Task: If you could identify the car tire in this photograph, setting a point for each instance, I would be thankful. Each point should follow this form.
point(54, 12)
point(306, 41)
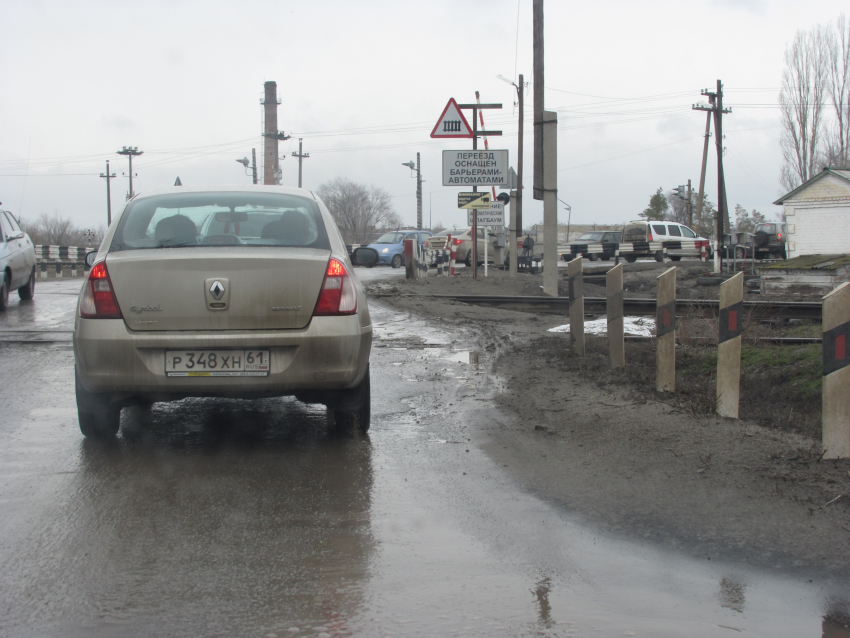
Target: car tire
point(630, 258)
point(396, 261)
point(592, 257)
point(760, 238)
point(468, 259)
point(355, 419)
point(4, 292)
point(783, 254)
point(659, 256)
point(98, 417)
point(26, 292)
point(676, 258)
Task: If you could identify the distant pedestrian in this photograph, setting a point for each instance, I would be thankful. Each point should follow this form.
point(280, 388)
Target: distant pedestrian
point(527, 246)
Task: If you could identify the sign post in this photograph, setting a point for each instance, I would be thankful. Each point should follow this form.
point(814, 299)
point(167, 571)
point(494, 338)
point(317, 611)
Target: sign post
point(452, 124)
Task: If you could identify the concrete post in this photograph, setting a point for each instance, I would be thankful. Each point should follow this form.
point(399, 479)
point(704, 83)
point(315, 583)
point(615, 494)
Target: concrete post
point(514, 253)
point(574, 270)
point(550, 206)
point(665, 331)
point(614, 314)
point(836, 373)
point(729, 346)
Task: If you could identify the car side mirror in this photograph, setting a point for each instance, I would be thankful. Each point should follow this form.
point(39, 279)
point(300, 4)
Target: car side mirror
point(364, 256)
point(18, 235)
point(90, 257)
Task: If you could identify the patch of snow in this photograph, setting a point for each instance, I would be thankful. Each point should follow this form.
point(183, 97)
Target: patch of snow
point(636, 326)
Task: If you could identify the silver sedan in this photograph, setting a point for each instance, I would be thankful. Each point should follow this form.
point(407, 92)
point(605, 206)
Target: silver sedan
point(17, 260)
point(241, 292)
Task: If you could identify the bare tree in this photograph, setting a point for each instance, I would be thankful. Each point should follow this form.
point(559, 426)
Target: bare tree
point(55, 229)
point(804, 84)
point(837, 143)
point(357, 209)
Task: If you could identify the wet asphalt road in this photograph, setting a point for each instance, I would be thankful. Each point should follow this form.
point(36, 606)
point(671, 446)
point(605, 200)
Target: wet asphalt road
point(244, 518)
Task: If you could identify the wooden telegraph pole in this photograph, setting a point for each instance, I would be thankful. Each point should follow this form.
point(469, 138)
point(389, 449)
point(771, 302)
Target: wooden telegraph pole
point(108, 176)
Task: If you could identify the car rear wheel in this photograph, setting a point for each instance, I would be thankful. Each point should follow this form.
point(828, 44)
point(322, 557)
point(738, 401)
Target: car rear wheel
point(630, 258)
point(468, 259)
point(4, 293)
point(98, 417)
point(659, 256)
point(396, 262)
point(354, 415)
point(592, 257)
point(26, 292)
point(676, 257)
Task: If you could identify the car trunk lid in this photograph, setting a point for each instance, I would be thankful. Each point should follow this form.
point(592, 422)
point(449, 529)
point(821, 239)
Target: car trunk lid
point(259, 288)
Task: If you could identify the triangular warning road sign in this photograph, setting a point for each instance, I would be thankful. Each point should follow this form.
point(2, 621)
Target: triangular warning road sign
point(452, 123)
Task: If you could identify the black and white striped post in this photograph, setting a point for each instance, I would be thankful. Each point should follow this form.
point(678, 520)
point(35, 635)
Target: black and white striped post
point(729, 346)
point(665, 331)
point(614, 316)
point(574, 276)
point(836, 373)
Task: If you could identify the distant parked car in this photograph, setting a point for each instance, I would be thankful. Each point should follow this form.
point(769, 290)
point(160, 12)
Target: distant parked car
point(390, 246)
point(769, 240)
point(17, 260)
point(641, 231)
point(462, 240)
point(608, 239)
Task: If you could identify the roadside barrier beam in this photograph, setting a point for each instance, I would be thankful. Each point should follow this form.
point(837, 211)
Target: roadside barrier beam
point(729, 346)
point(665, 331)
point(836, 373)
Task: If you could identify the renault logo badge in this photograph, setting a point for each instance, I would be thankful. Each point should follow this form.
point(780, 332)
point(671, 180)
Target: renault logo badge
point(217, 290)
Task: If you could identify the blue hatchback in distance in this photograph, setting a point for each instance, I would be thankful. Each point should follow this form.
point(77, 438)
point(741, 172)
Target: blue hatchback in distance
point(390, 246)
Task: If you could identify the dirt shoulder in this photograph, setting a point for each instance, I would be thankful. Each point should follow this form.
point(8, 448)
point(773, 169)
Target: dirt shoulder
point(639, 463)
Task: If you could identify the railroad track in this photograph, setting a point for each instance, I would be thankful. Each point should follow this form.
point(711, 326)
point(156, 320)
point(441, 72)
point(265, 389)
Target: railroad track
point(631, 305)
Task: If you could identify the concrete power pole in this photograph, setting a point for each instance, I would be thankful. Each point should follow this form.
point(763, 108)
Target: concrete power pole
point(701, 195)
point(300, 156)
point(108, 176)
point(130, 152)
point(537, 30)
point(418, 193)
point(254, 164)
point(271, 159)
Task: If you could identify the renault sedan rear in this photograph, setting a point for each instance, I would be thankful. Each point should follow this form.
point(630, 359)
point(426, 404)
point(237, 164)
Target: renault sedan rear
point(232, 292)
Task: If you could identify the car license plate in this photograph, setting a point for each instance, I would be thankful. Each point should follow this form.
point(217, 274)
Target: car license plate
point(217, 363)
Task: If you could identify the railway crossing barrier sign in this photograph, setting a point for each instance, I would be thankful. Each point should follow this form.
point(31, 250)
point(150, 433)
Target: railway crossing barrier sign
point(475, 168)
point(492, 216)
point(473, 200)
point(452, 123)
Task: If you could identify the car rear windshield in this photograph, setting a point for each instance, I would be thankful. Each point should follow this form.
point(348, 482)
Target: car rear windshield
point(454, 232)
point(770, 229)
point(221, 219)
point(591, 237)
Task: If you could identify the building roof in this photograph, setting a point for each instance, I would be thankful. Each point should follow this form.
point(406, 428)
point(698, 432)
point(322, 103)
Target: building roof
point(842, 173)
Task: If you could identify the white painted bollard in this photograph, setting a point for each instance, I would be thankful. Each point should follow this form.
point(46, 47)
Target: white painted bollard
point(453, 257)
point(574, 276)
point(729, 346)
point(836, 373)
point(665, 331)
point(614, 316)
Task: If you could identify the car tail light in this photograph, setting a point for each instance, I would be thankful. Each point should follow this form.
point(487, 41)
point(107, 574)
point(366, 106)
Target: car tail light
point(649, 234)
point(338, 296)
point(457, 242)
point(778, 235)
point(98, 300)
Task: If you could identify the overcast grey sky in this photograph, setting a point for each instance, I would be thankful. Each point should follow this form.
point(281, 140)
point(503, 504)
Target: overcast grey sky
point(364, 82)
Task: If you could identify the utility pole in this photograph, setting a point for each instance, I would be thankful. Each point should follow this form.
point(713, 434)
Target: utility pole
point(271, 161)
point(300, 157)
point(690, 208)
point(519, 165)
point(254, 164)
point(418, 193)
point(701, 195)
point(108, 176)
point(130, 152)
point(537, 31)
point(722, 220)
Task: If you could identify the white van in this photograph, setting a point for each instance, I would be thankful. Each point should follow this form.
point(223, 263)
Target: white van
point(650, 238)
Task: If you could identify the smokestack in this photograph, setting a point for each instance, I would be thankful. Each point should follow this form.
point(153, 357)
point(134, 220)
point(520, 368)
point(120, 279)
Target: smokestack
point(271, 162)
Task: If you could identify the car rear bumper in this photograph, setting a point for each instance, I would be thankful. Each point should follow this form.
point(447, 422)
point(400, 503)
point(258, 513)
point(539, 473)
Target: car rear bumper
point(331, 353)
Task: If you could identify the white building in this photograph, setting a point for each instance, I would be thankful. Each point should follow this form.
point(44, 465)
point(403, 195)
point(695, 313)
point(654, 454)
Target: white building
point(817, 215)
